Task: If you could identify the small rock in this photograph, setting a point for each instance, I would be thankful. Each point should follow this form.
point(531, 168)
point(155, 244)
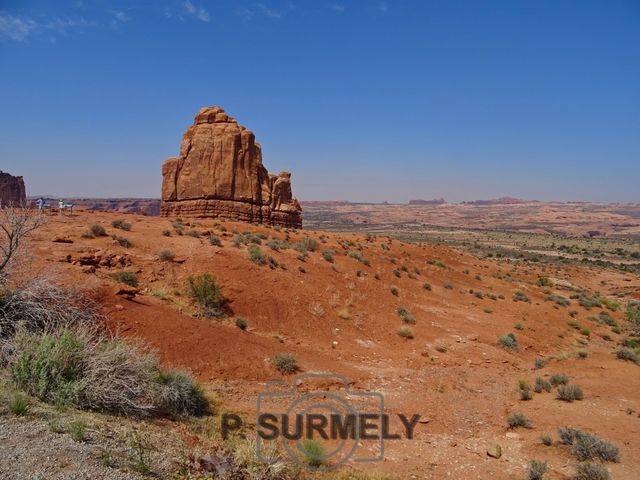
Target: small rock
point(513, 435)
point(119, 307)
point(62, 240)
point(494, 450)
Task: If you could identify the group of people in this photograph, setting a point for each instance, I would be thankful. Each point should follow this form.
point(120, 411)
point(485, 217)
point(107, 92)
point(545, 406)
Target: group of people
point(62, 206)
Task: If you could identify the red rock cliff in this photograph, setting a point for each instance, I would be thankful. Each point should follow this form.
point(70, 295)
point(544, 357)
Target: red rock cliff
point(219, 173)
point(12, 191)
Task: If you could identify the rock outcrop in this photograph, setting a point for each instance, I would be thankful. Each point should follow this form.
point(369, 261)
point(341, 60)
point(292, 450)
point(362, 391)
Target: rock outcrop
point(219, 173)
point(12, 191)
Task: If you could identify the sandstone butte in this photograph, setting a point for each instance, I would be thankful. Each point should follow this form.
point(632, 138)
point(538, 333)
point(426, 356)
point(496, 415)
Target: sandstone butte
point(219, 173)
point(12, 191)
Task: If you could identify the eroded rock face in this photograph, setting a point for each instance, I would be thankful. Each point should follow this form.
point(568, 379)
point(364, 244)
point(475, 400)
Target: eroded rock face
point(12, 191)
point(219, 173)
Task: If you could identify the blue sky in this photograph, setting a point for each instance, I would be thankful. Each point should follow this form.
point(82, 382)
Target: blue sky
point(361, 100)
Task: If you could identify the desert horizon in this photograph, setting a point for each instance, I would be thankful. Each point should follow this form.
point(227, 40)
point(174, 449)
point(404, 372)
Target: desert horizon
point(285, 240)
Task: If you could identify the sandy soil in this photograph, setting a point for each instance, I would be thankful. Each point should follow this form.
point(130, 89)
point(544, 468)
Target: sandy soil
point(342, 318)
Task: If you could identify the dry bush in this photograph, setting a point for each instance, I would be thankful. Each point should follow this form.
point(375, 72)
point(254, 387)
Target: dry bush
point(16, 224)
point(41, 306)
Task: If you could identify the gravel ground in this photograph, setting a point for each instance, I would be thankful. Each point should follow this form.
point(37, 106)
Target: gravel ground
point(29, 450)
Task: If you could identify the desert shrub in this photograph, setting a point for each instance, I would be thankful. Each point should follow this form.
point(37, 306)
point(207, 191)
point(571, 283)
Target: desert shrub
point(42, 305)
point(178, 393)
point(314, 452)
point(128, 278)
point(121, 224)
point(97, 230)
point(310, 244)
point(591, 471)
point(122, 241)
point(518, 326)
point(521, 297)
point(397, 272)
point(628, 355)
point(166, 255)
point(569, 393)
point(77, 429)
point(256, 255)
point(82, 368)
point(544, 282)
point(632, 315)
point(517, 420)
point(588, 302)
point(586, 446)
point(206, 293)
point(405, 332)
point(478, 294)
point(395, 292)
point(242, 323)
point(582, 354)
point(166, 233)
point(285, 363)
point(542, 385)
point(546, 440)
point(539, 363)
point(356, 255)
point(406, 316)
point(536, 470)
point(18, 404)
point(509, 341)
point(525, 394)
point(585, 331)
point(426, 286)
point(448, 285)
point(558, 300)
point(328, 256)
point(559, 379)
point(215, 240)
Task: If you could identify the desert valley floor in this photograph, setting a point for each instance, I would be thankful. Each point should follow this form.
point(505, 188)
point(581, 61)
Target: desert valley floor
point(341, 311)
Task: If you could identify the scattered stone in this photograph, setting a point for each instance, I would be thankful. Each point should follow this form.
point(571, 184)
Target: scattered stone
point(494, 450)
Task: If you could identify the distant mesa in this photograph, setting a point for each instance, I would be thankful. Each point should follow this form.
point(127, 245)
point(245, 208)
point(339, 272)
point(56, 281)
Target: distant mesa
point(435, 201)
point(219, 173)
point(12, 191)
point(499, 201)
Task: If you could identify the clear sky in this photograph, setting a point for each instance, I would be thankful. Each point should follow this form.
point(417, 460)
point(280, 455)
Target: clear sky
point(361, 100)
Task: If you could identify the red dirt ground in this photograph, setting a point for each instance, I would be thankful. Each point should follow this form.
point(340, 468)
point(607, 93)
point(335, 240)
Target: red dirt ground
point(466, 392)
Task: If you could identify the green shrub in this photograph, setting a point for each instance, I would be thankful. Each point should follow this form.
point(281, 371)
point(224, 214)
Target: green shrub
point(241, 323)
point(395, 292)
point(128, 278)
point(193, 233)
point(509, 341)
point(559, 379)
point(122, 241)
point(406, 316)
point(215, 240)
point(525, 394)
point(632, 315)
point(121, 224)
point(546, 440)
point(309, 244)
point(166, 233)
point(542, 385)
point(328, 256)
point(18, 404)
point(539, 363)
point(178, 393)
point(544, 282)
point(628, 355)
point(569, 393)
point(256, 255)
point(517, 420)
point(586, 446)
point(521, 297)
point(591, 471)
point(206, 293)
point(97, 230)
point(285, 363)
point(558, 300)
point(314, 452)
point(77, 429)
point(405, 332)
point(536, 470)
point(166, 255)
point(426, 286)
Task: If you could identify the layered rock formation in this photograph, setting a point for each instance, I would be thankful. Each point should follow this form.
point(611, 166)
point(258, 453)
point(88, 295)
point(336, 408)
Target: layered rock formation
point(219, 173)
point(12, 191)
